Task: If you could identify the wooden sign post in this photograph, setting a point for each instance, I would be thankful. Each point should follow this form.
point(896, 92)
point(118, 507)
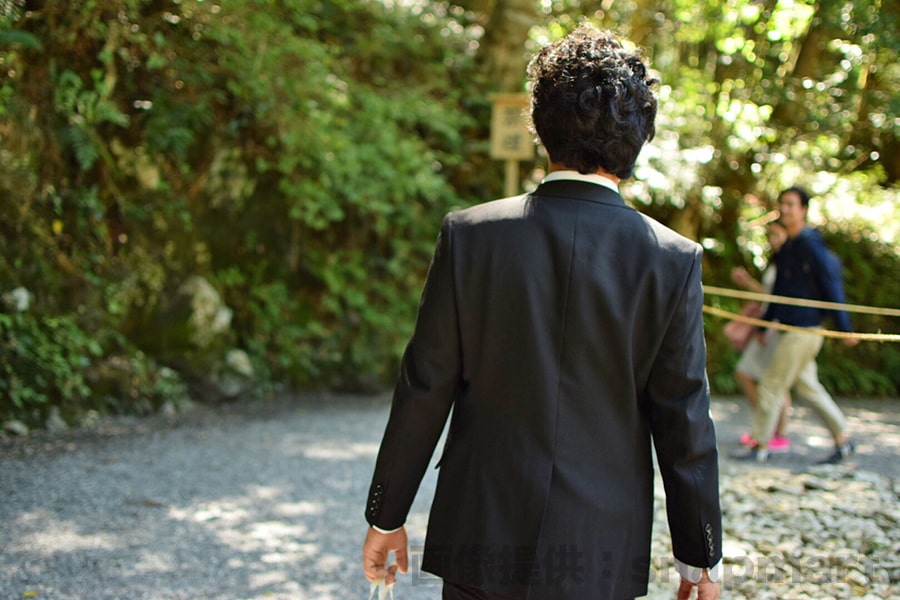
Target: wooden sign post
point(510, 138)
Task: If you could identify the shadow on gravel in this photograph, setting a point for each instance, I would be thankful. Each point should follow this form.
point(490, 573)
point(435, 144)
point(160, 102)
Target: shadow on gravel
point(255, 502)
point(252, 500)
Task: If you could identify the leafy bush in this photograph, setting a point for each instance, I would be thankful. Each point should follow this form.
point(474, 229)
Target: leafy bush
point(300, 155)
point(305, 178)
point(52, 362)
point(42, 362)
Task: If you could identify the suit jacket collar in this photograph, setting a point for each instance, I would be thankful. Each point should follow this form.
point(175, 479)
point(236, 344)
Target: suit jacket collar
point(576, 176)
point(580, 190)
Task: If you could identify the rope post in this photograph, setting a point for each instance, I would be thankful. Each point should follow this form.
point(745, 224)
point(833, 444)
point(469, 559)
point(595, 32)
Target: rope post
point(511, 181)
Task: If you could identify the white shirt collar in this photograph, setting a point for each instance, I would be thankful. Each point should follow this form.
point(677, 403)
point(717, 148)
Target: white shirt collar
point(572, 175)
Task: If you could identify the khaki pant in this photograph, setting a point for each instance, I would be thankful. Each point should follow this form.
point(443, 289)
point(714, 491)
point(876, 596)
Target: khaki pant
point(793, 365)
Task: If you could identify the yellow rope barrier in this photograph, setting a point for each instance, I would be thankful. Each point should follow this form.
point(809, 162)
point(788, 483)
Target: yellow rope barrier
point(871, 337)
point(718, 291)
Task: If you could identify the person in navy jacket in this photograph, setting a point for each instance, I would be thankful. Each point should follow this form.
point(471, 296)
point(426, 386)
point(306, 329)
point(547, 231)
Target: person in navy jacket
point(805, 269)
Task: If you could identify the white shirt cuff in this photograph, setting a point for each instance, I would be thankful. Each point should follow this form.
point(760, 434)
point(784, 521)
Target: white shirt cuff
point(380, 530)
point(693, 574)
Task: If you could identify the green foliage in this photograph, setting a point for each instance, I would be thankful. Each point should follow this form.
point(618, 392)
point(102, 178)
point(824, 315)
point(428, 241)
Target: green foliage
point(871, 271)
point(756, 97)
point(53, 362)
point(354, 136)
point(42, 361)
point(297, 154)
point(300, 155)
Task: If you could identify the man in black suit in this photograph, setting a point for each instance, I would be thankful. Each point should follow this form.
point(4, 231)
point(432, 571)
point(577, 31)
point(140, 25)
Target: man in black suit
point(565, 331)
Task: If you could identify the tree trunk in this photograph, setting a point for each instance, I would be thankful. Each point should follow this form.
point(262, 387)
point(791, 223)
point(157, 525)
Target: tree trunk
point(791, 111)
point(502, 53)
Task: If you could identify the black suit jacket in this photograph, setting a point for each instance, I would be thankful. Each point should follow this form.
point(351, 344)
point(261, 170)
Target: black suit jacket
point(565, 330)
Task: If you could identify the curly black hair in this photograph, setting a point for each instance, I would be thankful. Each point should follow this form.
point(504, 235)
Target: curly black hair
point(592, 102)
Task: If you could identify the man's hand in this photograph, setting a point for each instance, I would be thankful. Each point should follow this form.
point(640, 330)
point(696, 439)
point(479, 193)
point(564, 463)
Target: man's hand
point(375, 554)
point(706, 589)
point(850, 341)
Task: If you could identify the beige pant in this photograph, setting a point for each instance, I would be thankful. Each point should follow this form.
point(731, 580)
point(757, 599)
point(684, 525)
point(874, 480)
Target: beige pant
point(793, 365)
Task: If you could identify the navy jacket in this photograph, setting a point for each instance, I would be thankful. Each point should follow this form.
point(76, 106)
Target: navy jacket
point(807, 269)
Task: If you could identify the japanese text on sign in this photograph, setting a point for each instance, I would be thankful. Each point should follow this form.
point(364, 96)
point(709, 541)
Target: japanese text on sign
point(510, 138)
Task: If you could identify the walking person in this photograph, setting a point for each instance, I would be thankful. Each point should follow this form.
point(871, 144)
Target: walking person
point(755, 354)
point(805, 269)
point(565, 331)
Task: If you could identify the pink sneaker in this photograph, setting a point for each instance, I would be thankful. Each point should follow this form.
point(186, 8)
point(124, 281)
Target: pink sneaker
point(780, 443)
point(747, 440)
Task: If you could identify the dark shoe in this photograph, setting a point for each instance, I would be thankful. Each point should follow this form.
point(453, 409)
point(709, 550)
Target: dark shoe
point(840, 453)
point(755, 454)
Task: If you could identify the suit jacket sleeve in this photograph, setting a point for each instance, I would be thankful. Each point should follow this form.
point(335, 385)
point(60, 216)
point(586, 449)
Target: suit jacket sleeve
point(677, 397)
point(426, 388)
point(827, 277)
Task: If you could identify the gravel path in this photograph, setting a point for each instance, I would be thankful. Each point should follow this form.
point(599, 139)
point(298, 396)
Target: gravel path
point(265, 500)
